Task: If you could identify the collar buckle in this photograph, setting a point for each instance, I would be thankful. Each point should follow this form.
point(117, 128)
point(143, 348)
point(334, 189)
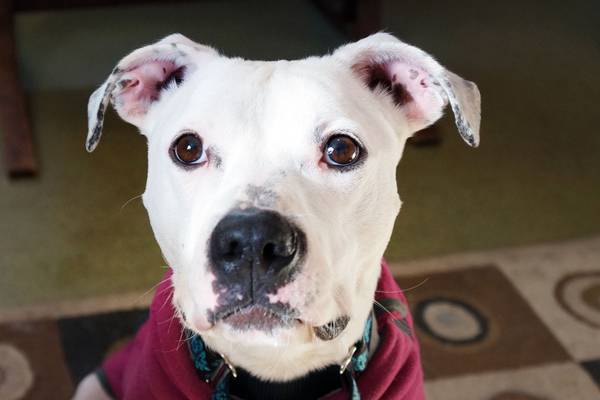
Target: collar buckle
point(222, 370)
point(229, 365)
point(347, 360)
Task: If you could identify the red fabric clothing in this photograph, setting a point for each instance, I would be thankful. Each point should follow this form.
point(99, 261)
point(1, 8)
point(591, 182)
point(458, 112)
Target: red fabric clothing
point(157, 365)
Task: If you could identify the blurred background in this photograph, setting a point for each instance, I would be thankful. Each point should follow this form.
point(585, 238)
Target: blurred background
point(498, 247)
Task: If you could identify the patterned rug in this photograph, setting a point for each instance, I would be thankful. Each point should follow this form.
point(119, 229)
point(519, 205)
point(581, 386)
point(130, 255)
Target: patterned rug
point(516, 324)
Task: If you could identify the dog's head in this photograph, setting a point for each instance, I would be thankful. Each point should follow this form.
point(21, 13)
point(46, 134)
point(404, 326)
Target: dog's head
point(271, 185)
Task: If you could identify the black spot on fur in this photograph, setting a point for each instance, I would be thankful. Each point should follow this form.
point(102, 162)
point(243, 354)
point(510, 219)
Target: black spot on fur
point(176, 76)
point(377, 76)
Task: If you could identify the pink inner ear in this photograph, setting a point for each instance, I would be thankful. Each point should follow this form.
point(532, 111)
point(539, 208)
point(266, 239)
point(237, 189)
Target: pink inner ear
point(412, 88)
point(141, 85)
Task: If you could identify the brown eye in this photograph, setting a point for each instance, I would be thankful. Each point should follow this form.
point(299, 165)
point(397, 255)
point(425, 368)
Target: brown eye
point(341, 150)
point(187, 149)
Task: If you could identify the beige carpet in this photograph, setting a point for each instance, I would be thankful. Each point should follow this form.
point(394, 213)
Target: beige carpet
point(510, 324)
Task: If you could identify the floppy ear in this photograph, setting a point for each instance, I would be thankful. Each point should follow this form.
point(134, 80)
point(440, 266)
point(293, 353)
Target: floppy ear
point(417, 84)
point(138, 80)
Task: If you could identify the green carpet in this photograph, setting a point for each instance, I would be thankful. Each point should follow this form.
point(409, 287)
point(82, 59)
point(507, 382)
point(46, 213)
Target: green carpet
point(536, 176)
point(65, 234)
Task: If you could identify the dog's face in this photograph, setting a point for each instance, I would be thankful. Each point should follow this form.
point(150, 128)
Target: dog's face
point(271, 185)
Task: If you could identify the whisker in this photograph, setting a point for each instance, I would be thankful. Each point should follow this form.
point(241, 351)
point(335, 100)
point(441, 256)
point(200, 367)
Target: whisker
point(164, 290)
point(169, 298)
point(383, 308)
point(151, 289)
point(404, 290)
point(180, 341)
point(189, 337)
point(130, 200)
point(171, 323)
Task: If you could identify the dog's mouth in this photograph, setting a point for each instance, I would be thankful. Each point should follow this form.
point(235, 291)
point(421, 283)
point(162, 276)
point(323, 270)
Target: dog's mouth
point(261, 318)
point(258, 317)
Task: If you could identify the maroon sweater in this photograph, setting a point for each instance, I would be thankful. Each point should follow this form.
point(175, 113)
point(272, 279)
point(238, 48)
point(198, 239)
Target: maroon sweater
point(155, 365)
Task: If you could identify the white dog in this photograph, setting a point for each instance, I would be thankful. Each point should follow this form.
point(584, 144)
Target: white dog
point(271, 189)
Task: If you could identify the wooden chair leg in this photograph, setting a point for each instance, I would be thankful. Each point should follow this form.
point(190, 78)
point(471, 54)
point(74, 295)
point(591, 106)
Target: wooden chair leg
point(18, 143)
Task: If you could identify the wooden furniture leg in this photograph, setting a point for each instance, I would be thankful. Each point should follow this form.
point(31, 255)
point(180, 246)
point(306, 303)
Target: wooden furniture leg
point(18, 144)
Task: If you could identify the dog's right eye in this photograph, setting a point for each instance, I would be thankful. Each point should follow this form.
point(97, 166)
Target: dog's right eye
point(341, 151)
point(187, 149)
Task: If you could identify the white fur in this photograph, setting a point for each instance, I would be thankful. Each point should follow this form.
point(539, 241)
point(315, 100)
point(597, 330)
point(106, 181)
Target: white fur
point(264, 123)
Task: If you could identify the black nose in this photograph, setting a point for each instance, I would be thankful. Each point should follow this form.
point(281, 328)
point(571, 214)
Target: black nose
point(258, 241)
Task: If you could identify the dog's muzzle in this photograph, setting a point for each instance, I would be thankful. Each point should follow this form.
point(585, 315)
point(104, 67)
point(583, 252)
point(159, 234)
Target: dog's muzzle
point(253, 252)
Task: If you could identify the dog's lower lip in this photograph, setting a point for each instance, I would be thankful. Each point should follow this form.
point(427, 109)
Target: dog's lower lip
point(257, 317)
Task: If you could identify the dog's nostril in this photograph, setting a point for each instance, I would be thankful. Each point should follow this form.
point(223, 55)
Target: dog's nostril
point(282, 248)
point(278, 251)
point(270, 254)
point(233, 250)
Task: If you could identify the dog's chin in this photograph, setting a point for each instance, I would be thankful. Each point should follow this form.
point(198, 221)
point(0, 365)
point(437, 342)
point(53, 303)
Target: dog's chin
point(258, 318)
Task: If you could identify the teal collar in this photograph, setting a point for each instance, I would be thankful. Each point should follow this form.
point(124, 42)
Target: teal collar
point(216, 370)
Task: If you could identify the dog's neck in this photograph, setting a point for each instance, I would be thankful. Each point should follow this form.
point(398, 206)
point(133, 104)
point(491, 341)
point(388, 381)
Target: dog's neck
point(312, 386)
point(316, 384)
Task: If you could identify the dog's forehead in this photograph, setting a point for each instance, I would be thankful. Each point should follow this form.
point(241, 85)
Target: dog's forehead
point(239, 97)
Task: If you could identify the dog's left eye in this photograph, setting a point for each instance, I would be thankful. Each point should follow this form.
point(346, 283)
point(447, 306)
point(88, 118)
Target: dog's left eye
point(187, 149)
point(341, 151)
